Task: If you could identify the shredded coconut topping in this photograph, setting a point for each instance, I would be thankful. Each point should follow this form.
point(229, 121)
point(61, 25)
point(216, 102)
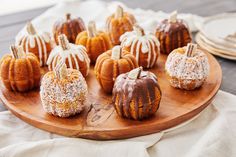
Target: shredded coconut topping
point(180, 66)
point(63, 97)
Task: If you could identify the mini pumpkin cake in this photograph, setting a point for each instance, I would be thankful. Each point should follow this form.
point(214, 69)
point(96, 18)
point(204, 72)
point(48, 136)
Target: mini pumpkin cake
point(172, 33)
point(75, 56)
point(39, 44)
point(112, 63)
point(20, 71)
point(187, 67)
point(119, 23)
point(96, 42)
point(136, 94)
point(63, 91)
point(68, 26)
point(145, 47)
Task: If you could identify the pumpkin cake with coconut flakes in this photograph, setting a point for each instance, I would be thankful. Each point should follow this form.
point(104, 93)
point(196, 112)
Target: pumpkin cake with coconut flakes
point(187, 67)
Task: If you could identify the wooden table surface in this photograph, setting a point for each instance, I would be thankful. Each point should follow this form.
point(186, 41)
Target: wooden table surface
point(10, 25)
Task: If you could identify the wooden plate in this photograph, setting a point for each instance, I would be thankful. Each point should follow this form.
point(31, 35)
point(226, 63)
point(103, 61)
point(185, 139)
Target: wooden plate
point(99, 121)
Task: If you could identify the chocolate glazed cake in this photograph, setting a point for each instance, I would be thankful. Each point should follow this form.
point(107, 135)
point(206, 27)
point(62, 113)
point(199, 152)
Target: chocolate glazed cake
point(172, 33)
point(136, 95)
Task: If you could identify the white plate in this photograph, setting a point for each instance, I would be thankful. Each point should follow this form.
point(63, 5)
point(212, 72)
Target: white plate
point(212, 50)
point(217, 28)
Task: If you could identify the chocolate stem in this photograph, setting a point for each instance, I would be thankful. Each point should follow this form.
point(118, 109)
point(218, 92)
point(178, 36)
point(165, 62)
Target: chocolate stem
point(68, 15)
point(14, 50)
point(139, 30)
point(63, 42)
point(17, 51)
point(135, 73)
point(116, 53)
point(92, 29)
point(30, 28)
point(61, 70)
point(190, 50)
point(173, 17)
point(119, 12)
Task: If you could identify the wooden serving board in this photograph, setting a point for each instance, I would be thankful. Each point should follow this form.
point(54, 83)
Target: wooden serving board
point(99, 120)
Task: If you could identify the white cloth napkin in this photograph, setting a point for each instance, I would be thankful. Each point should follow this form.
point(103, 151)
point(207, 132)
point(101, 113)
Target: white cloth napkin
point(98, 11)
point(211, 134)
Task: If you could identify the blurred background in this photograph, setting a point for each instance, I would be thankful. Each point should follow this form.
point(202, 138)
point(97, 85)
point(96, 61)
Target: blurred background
point(200, 7)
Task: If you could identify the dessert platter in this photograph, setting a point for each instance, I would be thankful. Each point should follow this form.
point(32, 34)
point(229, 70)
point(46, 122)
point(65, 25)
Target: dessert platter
point(117, 83)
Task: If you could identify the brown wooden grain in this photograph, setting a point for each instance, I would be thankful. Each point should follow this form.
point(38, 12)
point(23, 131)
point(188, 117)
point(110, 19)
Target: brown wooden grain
point(99, 121)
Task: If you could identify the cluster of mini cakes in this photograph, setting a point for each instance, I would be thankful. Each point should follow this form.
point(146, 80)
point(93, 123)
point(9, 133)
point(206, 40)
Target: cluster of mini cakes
point(118, 54)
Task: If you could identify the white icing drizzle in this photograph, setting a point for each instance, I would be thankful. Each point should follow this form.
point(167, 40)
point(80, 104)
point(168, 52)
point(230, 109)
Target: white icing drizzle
point(41, 40)
point(189, 68)
point(147, 43)
point(74, 52)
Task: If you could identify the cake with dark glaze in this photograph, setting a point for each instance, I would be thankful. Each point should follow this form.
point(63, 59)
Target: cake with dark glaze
point(71, 27)
point(172, 33)
point(136, 94)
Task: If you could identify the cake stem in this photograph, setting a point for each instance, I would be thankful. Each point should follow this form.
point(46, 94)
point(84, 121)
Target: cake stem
point(14, 51)
point(173, 17)
point(30, 28)
point(92, 29)
point(63, 42)
point(116, 53)
point(139, 30)
point(135, 73)
point(119, 12)
point(17, 51)
point(190, 50)
point(68, 15)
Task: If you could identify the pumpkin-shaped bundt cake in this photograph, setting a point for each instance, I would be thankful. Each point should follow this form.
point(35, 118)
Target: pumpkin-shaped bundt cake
point(136, 94)
point(75, 56)
point(63, 91)
point(145, 47)
point(95, 41)
point(20, 71)
point(187, 67)
point(172, 33)
point(119, 23)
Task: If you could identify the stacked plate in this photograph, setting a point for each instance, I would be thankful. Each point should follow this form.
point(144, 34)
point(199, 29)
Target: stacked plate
point(218, 35)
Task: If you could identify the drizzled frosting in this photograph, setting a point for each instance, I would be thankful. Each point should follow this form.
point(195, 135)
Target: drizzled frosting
point(31, 40)
point(74, 52)
point(145, 43)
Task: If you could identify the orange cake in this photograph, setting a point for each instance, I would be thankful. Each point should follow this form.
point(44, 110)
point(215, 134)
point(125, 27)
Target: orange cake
point(119, 23)
point(112, 63)
point(20, 71)
point(95, 41)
